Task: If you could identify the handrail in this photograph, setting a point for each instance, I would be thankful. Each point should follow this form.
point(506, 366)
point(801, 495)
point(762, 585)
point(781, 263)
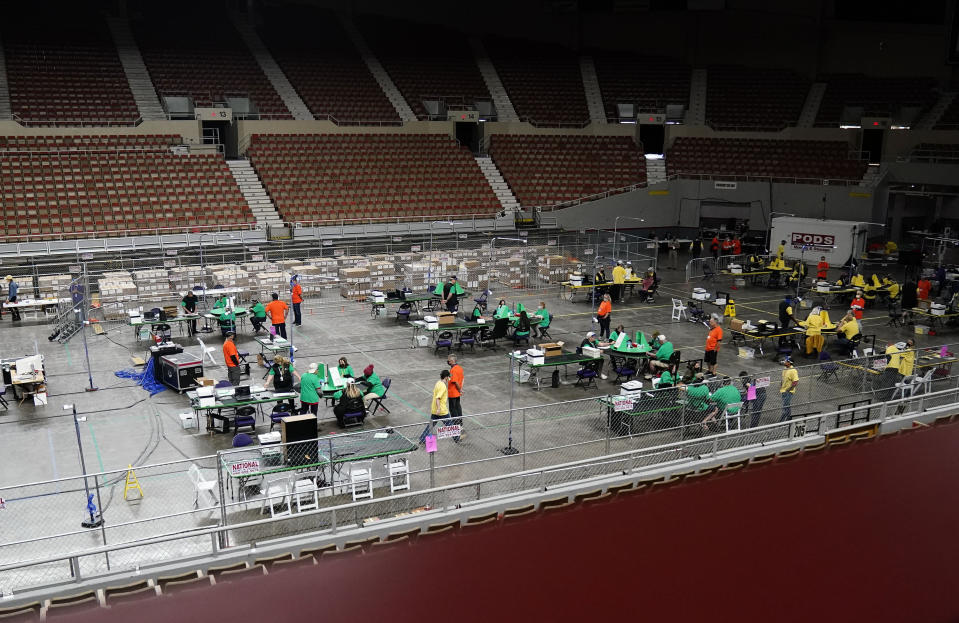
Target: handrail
point(76, 122)
point(147, 231)
point(794, 425)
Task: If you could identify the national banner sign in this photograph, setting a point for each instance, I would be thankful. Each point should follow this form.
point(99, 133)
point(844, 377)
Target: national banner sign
point(762, 381)
point(445, 432)
point(622, 404)
point(246, 466)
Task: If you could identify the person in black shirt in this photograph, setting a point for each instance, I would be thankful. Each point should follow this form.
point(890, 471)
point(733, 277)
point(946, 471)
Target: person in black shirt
point(189, 306)
point(786, 312)
point(450, 295)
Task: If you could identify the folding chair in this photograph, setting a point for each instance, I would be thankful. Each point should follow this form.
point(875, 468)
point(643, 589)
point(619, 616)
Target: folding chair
point(378, 402)
point(679, 310)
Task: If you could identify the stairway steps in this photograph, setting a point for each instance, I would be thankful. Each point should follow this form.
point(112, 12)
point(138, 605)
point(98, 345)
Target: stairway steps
point(138, 78)
point(504, 107)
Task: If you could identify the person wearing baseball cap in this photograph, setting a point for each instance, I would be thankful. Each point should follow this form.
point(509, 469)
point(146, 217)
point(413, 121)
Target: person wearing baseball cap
point(664, 352)
point(232, 358)
point(375, 386)
point(310, 384)
point(788, 388)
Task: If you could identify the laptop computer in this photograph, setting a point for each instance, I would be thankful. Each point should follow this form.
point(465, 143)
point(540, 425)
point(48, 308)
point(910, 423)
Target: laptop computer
point(242, 391)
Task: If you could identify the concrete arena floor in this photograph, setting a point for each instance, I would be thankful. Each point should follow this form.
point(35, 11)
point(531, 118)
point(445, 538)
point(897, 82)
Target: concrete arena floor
point(126, 426)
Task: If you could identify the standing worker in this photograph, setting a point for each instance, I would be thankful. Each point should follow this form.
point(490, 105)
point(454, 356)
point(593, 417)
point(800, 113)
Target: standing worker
point(713, 341)
point(455, 392)
point(257, 316)
point(439, 405)
point(619, 281)
point(310, 384)
point(696, 246)
point(296, 297)
point(781, 249)
point(788, 388)
point(857, 305)
point(814, 338)
point(673, 245)
point(451, 293)
point(12, 288)
point(232, 358)
point(822, 268)
point(786, 312)
point(277, 311)
point(604, 315)
point(189, 306)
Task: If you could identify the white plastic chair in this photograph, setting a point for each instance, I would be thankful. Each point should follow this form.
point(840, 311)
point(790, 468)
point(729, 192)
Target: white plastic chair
point(201, 485)
point(399, 469)
point(924, 382)
point(306, 488)
point(906, 387)
point(207, 352)
point(277, 488)
point(361, 480)
point(679, 310)
point(738, 416)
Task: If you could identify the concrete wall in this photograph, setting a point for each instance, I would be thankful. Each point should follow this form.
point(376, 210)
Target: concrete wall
point(189, 130)
point(680, 206)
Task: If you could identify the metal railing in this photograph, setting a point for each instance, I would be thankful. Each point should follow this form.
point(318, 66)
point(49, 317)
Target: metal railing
point(123, 546)
point(83, 123)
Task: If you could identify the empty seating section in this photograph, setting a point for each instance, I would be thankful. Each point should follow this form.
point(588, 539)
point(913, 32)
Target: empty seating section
point(935, 152)
point(543, 81)
point(65, 71)
point(201, 56)
point(949, 120)
point(426, 62)
point(648, 83)
point(784, 160)
point(545, 170)
point(71, 186)
point(324, 67)
point(322, 176)
point(903, 99)
point(754, 99)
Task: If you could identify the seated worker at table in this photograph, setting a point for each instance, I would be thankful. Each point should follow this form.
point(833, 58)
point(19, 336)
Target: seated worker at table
point(189, 307)
point(857, 281)
point(227, 321)
point(600, 276)
point(846, 330)
point(665, 380)
point(697, 394)
point(755, 263)
point(723, 399)
point(544, 319)
point(477, 313)
point(346, 373)
point(522, 327)
point(223, 301)
point(257, 316)
point(619, 330)
point(664, 352)
point(589, 340)
point(310, 387)
point(786, 312)
point(814, 337)
point(375, 385)
point(502, 310)
point(350, 402)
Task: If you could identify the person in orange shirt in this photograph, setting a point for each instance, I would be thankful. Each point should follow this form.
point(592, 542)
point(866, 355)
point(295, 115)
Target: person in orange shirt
point(737, 246)
point(923, 290)
point(296, 295)
point(604, 315)
point(712, 343)
point(276, 310)
point(232, 358)
point(455, 392)
point(822, 268)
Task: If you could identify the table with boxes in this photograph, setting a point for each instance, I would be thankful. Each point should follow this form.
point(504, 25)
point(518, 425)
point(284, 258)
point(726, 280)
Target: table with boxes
point(549, 355)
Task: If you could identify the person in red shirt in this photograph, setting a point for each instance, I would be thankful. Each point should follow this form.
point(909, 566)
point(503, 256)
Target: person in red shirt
point(822, 268)
point(455, 392)
point(604, 315)
point(276, 310)
point(737, 246)
point(857, 305)
point(232, 358)
point(923, 290)
point(296, 295)
point(712, 343)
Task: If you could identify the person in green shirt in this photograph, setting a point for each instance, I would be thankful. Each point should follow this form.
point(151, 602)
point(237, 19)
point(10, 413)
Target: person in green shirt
point(376, 388)
point(544, 319)
point(227, 322)
point(620, 330)
point(223, 301)
point(664, 350)
point(697, 394)
point(723, 398)
point(522, 327)
point(258, 316)
point(310, 384)
point(477, 313)
point(665, 380)
point(502, 311)
point(346, 372)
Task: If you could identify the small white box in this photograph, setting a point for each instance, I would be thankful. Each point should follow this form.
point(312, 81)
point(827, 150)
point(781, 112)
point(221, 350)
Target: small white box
point(631, 386)
point(521, 376)
point(536, 361)
point(533, 352)
point(422, 340)
point(747, 353)
point(188, 420)
point(378, 297)
point(589, 351)
point(432, 325)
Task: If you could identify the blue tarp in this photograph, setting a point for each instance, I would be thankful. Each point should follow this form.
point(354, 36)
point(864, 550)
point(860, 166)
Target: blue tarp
point(144, 379)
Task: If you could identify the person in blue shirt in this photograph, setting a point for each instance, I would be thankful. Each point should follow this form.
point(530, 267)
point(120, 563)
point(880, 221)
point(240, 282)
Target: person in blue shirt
point(12, 289)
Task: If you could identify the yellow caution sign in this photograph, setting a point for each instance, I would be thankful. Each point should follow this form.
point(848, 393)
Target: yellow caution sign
point(132, 484)
point(730, 309)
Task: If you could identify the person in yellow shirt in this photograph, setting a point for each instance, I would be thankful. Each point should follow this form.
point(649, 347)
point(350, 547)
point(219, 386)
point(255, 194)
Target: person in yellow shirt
point(857, 281)
point(907, 358)
point(893, 291)
point(814, 338)
point(891, 247)
point(619, 278)
point(787, 389)
point(847, 329)
point(781, 249)
point(439, 405)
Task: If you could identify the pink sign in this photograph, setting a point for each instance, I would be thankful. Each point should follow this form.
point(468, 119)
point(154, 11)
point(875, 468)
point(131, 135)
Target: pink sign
point(751, 393)
point(431, 443)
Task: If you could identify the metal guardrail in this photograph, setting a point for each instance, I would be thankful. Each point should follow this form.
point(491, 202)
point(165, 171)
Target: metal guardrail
point(77, 561)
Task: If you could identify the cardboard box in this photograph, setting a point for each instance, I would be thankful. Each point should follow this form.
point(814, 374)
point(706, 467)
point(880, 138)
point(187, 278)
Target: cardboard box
point(446, 318)
point(736, 324)
point(205, 382)
point(551, 349)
